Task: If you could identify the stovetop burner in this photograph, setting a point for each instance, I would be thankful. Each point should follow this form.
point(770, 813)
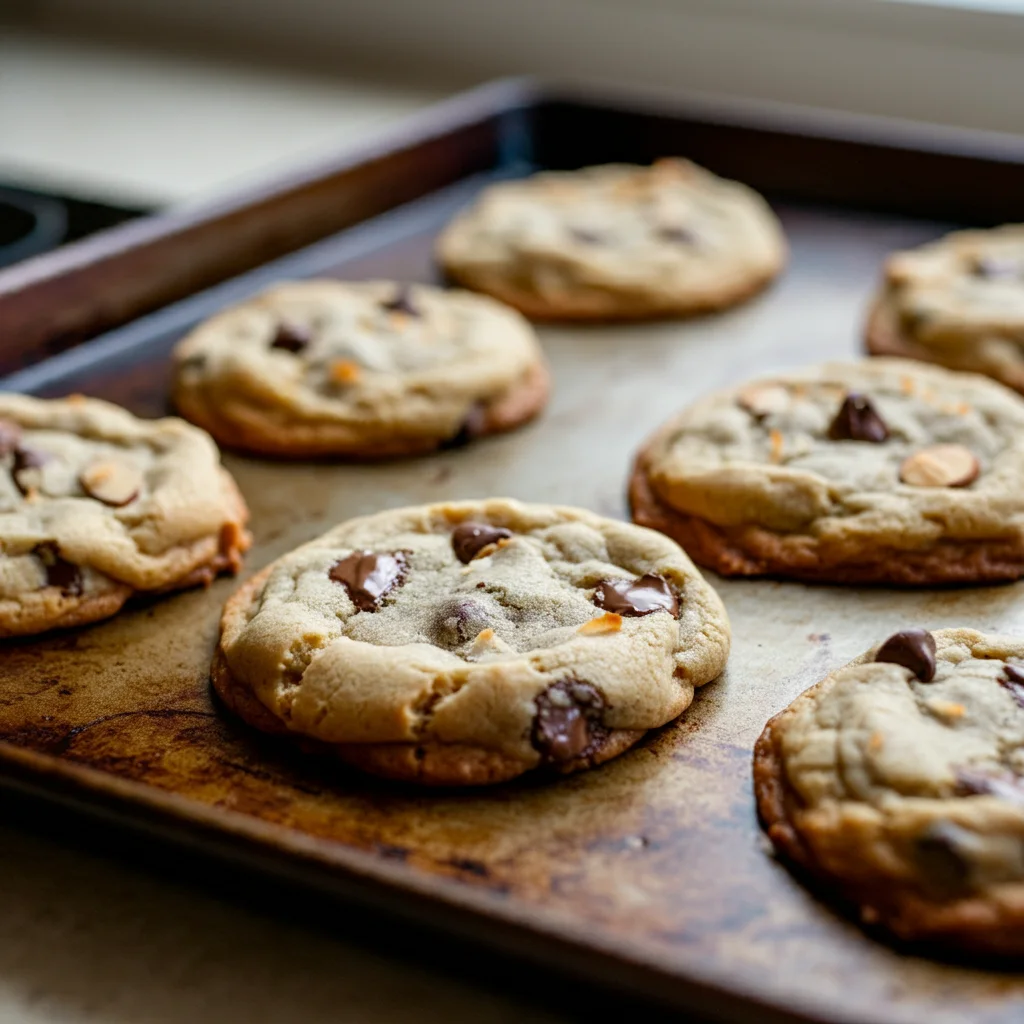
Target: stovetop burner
point(33, 222)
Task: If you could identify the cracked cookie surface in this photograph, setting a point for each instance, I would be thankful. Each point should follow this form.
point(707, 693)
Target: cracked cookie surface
point(958, 302)
point(884, 471)
point(359, 370)
point(96, 505)
point(467, 643)
point(616, 241)
point(899, 779)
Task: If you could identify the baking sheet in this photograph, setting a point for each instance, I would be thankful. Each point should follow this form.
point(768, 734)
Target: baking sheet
point(654, 861)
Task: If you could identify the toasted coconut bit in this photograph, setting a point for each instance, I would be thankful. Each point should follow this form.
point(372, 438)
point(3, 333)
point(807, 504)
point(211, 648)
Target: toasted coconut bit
point(947, 709)
point(344, 371)
point(610, 622)
point(776, 439)
point(941, 465)
point(763, 399)
point(113, 483)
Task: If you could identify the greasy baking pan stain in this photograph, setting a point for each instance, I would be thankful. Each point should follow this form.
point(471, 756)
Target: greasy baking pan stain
point(658, 851)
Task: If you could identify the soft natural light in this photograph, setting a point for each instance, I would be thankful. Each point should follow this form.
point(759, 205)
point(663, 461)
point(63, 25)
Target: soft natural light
point(1003, 6)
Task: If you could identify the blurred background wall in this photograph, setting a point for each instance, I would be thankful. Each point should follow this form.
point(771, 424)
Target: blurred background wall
point(157, 101)
point(941, 60)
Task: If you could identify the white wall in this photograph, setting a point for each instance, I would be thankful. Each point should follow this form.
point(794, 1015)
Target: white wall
point(924, 59)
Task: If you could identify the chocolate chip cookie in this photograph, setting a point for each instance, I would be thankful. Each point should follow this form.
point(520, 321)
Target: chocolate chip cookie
point(958, 302)
point(361, 370)
point(464, 644)
point(899, 780)
point(616, 242)
point(884, 471)
point(96, 505)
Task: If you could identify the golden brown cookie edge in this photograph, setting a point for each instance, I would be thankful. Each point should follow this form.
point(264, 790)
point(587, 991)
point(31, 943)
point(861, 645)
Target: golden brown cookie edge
point(754, 551)
point(248, 430)
point(607, 306)
point(973, 924)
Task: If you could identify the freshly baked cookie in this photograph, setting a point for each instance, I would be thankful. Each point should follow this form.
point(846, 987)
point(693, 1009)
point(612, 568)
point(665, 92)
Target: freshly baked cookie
point(96, 505)
point(616, 242)
point(958, 302)
point(884, 471)
point(359, 370)
point(464, 644)
point(899, 780)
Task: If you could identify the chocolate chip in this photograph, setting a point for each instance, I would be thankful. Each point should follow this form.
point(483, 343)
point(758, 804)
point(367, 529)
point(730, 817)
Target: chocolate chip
point(59, 572)
point(196, 361)
point(469, 539)
point(677, 233)
point(858, 420)
point(401, 302)
point(1012, 679)
point(587, 236)
point(995, 267)
point(472, 428)
point(1006, 786)
point(459, 621)
point(939, 854)
point(26, 460)
point(567, 724)
point(10, 436)
point(291, 337)
point(913, 649)
point(913, 320)
point(369, 576)
point(650, 593)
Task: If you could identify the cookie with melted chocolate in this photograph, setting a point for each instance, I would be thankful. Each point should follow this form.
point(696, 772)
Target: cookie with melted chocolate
point(468, 643)
point(359, 370)
point(898, 783)
point(97, 505)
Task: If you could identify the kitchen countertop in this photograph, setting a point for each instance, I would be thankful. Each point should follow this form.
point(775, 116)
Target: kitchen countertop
point(91, 938)
point(154, 128)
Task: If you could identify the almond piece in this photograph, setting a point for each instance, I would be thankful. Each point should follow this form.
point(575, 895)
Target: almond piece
point(941, 465)
point(610, 622)
point(113, 483)
point(763, 399)
point(344, 371)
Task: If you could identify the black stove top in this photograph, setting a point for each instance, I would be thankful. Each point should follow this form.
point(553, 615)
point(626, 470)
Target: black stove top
point(33, 221)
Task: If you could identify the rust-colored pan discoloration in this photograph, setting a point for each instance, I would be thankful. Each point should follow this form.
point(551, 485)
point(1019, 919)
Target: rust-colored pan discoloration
point(650, 870)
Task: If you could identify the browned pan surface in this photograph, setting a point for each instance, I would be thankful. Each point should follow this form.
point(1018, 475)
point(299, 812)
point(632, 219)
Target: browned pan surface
point(654, 859)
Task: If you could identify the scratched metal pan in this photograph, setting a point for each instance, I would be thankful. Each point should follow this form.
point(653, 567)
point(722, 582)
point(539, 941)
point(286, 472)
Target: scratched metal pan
point(649, 873)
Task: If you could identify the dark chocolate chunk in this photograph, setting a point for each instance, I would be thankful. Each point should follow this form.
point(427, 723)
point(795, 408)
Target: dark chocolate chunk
point(461, 620)
point(568, 721)
point(939, 855)
point(677, 233)
point(1012, 679)
point(291, 337)
point(650, 593)
point(59, 572)
point(913, 320)
point(25, 460)
point(10, 436)
point(469, 539)
point(587, 236)
point(913, 649)
point(402, 302)
point(996, 267)
point(1005, 785)
point(472, 428)
point(858, 420)
point(196, 361)
point(369, 576)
